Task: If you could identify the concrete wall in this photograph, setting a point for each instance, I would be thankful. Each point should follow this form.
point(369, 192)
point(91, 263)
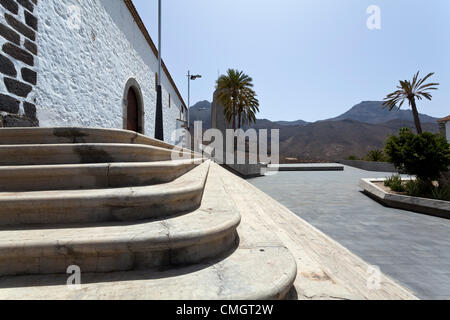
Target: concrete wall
point(88, 52)
point(370, 165)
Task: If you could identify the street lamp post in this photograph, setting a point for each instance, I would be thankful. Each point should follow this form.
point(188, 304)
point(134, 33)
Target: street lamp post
point(159, 129)
point(190, 77)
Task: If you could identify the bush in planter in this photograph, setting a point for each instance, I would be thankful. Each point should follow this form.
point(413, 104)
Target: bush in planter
point(441, 193)
point(418, 188)
point(376, 156)
point(424, 155)
point(395, 183)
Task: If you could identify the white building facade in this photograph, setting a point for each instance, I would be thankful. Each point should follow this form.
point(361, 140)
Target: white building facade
point(444, 124)
point(92, 64)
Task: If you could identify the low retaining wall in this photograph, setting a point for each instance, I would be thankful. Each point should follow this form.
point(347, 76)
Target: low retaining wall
point(305, 167)
point(432, 207)
point(258, 170)
point(370, 165)
point(247, 170)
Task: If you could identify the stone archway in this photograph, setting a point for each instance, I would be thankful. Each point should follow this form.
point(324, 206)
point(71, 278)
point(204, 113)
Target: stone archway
point(133, 107)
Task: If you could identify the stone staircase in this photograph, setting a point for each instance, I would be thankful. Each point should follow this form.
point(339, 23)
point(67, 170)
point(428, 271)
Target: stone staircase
point(137, 223)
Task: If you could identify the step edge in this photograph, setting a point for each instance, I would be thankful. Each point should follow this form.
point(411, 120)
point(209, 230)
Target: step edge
point(177, 187)
point(98, 283)
point(142, 242)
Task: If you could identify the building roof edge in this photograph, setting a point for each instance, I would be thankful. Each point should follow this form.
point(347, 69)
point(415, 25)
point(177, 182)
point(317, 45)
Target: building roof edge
point(140, 23)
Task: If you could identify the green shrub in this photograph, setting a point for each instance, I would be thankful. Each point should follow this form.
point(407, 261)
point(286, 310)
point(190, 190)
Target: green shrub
point(376, 156)
point(424, 155)
point(352, 157)
point(395, 183)
point(441, 193)
point(417, 188)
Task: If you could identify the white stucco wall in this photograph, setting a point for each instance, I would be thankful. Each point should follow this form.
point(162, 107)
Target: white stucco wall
point(447, 129)
point(83, 67)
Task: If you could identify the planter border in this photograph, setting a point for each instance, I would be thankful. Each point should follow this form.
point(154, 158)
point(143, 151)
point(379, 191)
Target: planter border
point(437, 208)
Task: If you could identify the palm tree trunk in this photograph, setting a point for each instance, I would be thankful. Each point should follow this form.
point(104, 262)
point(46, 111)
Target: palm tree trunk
point(234, 117)
point(239, 118)
point(416, 116)
point(234, 127)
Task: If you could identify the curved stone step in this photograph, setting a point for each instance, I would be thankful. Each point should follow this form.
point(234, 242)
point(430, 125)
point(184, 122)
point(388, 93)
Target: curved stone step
point(12, 136)
point(90, 176)
point(15, 155)
point(257, 273)
point(101, 205)
point(201, 235)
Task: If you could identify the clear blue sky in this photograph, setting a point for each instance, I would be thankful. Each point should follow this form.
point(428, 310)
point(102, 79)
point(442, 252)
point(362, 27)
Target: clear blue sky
point(310, 59)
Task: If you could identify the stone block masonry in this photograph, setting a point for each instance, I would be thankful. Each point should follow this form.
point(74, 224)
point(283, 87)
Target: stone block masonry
point(18, 59)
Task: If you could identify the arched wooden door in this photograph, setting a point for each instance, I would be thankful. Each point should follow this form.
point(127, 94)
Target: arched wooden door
point(132, 111)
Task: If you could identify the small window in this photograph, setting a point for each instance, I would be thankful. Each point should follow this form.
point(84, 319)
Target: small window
point(169, 101)
point(156, 81)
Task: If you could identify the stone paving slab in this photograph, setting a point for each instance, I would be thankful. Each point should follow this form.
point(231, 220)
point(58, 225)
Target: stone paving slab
point(325, 269)
point(412, 248)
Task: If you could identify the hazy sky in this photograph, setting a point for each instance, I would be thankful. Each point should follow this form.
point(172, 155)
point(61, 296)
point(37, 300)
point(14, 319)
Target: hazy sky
point(310, 59)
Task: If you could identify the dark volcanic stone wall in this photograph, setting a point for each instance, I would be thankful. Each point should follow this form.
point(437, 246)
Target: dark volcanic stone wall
point(18, 54)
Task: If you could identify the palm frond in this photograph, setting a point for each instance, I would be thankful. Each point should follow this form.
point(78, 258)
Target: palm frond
point(424, 79)
point(429, 86)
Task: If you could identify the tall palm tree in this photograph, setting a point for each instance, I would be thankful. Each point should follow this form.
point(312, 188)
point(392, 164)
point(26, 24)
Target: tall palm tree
point(248, 107)
point(417, 89)
point(235, 93)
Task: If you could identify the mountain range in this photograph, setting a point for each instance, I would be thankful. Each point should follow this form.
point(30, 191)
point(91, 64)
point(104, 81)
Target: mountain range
point(362, 128)
point(373, 112)
point(201, 111)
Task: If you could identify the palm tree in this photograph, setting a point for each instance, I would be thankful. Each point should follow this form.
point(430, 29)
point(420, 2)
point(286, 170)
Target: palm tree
point(235, 93)
point(417, 89)
point(248, 106)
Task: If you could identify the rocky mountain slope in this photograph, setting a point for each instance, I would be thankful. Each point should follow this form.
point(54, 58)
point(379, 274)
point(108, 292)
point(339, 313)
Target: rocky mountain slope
point(201, 111)
point(373, 112)
point(334, 140)
point(363, 128)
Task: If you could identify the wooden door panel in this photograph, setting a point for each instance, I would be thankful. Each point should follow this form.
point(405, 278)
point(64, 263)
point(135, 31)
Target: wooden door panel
point(132, 111)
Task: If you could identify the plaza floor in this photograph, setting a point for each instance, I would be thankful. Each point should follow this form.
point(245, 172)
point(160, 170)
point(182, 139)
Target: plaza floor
point(412, 248)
